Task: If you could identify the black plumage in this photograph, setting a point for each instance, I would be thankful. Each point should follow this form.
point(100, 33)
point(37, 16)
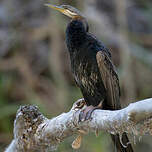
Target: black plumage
point(93, 70)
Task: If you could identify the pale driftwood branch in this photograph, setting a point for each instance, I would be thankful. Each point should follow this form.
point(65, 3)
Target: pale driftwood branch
point(34, 132)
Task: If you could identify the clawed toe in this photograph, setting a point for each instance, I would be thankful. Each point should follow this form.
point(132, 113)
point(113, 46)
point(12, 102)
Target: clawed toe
point(88, 115)
point(81, 116)
point(85, 114)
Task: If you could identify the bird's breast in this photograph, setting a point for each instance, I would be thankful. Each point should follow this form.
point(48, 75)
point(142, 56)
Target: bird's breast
point(87, 77)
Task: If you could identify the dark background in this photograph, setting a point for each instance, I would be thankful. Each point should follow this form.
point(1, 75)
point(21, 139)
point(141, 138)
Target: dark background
point(34, 64)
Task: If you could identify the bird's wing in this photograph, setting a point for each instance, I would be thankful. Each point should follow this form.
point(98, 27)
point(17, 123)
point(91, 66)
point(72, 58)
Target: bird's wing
point(110, 80)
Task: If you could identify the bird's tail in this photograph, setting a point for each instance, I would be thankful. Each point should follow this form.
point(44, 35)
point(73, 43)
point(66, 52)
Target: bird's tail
point(118, 144)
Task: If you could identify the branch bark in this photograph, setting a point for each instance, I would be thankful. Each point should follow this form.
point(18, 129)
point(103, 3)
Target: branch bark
point(34, 132)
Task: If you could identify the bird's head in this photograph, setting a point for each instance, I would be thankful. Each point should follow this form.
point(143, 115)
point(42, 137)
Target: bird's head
point(67, 10)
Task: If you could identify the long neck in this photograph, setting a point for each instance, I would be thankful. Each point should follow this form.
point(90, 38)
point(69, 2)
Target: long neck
point(75, 34)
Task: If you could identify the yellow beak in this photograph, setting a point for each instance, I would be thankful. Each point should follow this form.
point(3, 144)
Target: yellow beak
point(58, 8)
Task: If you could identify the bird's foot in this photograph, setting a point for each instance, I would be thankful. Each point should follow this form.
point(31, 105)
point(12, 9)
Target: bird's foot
point(80, 104)
point(85, 114)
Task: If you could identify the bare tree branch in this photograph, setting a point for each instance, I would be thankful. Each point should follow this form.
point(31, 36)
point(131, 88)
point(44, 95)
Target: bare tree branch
point(34, 132)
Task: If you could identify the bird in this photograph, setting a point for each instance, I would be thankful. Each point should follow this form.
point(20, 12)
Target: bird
point(93, 70)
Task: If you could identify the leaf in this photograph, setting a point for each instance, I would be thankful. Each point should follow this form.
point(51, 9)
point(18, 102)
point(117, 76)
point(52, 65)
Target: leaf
point(77, 142)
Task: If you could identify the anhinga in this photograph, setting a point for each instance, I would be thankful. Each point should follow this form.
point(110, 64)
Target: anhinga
point(93, 69)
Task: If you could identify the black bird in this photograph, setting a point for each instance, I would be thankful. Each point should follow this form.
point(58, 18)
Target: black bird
point(93, 69)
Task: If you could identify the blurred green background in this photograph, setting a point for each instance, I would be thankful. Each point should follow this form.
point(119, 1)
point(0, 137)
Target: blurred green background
point(35, 67)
